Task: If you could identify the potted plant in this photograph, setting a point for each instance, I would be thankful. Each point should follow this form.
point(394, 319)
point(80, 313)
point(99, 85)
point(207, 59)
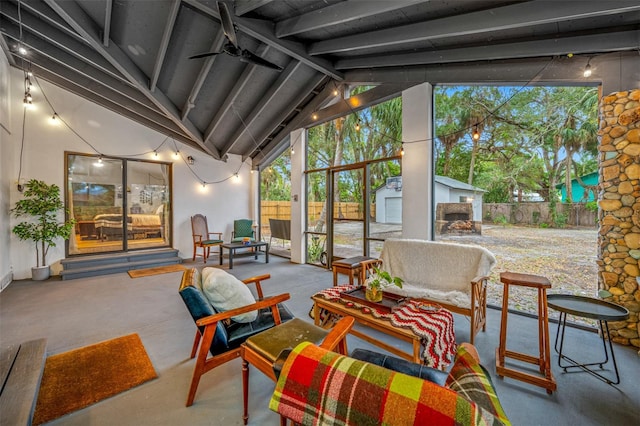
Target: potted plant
point(40, 205)
point(377, 282)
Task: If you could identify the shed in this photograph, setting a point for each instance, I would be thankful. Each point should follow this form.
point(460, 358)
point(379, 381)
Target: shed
point(388, 205)
point(580, 194)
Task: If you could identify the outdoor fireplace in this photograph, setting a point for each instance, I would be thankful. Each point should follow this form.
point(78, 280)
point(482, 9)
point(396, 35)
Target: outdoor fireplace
point(456, 218)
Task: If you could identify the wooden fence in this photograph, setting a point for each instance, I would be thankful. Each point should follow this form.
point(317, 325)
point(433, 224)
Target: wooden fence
point(282, 210)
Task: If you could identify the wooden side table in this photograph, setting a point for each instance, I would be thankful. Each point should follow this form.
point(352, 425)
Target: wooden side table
point(543, 360)
point(350, 266)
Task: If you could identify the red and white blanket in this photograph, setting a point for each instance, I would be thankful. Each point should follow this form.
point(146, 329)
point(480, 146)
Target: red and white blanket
point(434, 328)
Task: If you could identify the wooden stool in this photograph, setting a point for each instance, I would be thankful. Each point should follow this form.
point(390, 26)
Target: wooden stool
point(350, 266)
point(544, 358)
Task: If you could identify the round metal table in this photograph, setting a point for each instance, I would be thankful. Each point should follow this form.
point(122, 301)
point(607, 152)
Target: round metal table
point(587, 307)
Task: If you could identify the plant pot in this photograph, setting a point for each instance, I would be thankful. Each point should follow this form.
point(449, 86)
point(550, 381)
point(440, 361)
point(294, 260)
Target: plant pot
point(40, 273)
point(373, 295)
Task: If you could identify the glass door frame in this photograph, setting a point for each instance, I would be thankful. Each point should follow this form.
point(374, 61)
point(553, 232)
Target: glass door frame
point(125, 204)
point(330, 171)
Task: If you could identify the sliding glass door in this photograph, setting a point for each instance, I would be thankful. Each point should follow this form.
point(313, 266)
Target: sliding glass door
point(118, 204)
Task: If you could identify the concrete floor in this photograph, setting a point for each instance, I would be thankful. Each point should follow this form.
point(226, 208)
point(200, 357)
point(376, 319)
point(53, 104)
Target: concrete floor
point(76, 313)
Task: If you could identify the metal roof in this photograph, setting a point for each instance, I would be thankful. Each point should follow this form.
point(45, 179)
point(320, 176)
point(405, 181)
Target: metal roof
point(132, 56)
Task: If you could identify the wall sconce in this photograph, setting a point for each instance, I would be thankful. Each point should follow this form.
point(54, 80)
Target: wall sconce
point(191, 161)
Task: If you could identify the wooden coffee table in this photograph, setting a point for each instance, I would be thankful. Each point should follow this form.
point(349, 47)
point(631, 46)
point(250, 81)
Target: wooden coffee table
point(340, 308)
point(234, 247)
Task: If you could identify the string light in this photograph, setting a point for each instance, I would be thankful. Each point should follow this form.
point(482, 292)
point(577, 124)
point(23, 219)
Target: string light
point(155, 154)
point(358, 126)
point(54, 119)
point(314, 116)
point(476, 133)
point(292, 151)
point(402, 150)
point(587, 69)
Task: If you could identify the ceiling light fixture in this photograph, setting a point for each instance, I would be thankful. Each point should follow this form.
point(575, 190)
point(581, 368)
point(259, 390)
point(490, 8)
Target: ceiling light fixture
point(22, 50)
point(314, 116)
point(587, 69)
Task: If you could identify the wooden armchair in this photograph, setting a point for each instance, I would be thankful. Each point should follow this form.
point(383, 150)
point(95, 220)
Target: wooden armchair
point(262, 350)
point(202, 237)
point(217, 339)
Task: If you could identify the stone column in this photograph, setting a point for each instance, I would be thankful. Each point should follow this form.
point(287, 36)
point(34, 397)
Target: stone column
point(619, 214)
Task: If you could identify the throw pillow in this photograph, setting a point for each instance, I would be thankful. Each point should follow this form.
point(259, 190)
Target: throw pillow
point(226, 292)
point(470, 380)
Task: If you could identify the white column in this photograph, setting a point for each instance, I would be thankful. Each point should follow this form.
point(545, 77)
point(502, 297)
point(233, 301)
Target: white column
point(298, 140)
point(417, 163)
point(254, 203)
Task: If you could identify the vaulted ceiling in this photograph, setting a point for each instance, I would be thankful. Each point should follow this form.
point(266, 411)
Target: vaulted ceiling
point(132, 56)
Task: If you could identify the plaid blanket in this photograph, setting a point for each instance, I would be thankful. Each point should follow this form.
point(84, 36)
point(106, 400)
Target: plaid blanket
point(434, 328)
point(318, 387)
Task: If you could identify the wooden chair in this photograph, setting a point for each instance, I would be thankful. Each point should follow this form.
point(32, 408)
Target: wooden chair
point(262, 350)
point(217, 339)
point(202, 237)
point(242, 228)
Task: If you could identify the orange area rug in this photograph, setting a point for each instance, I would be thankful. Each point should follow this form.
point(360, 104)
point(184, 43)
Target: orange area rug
point(137, 273)
point(84, 376)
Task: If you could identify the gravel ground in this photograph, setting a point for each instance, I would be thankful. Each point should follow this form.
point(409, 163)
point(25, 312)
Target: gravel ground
point(567, 257)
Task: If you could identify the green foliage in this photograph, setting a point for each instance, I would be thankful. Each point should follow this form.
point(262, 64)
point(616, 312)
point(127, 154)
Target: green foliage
point(381, 279)
point(40, 205)
point(544, 225)
point(500, 220)
point(591, 206)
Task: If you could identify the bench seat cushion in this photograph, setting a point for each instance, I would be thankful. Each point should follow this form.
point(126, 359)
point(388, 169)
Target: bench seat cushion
point(451, 297)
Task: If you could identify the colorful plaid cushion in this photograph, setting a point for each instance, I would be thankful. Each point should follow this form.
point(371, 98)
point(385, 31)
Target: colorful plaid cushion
point(318, 387)
point(469, 379)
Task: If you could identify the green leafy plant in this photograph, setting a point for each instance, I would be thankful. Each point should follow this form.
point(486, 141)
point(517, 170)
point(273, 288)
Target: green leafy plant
point(500, 220)
point(41, 204)
point(381, 279)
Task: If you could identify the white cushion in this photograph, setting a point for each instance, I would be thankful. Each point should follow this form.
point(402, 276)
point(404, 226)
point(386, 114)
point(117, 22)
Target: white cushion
point(226, 292)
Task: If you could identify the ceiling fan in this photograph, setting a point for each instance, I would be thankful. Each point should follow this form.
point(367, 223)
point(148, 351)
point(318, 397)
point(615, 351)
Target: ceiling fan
point(231, 47)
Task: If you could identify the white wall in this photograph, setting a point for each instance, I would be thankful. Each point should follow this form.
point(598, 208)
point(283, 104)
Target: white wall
point(114, 135)
point(6, 155)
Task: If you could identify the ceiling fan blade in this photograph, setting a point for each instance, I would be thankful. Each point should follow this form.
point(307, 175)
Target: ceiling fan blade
point(227, 23)
point(250, 58)
point(204, 55)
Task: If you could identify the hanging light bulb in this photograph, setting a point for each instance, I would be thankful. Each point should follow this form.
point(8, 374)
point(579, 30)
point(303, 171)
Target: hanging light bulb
point(292, 151)
point(28, 97)
point(314, 116)
point(236, 178)
point(402, 150)
point(22, 50)
point(155, 153)
point(358, 126)
point(204, 184)
point(476, 133)
point(176, 154)
point(587, 69)
point(54, 119)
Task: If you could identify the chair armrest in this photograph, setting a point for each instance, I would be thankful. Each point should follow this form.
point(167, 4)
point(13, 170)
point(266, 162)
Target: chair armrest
point(219, 234)
point(257, 279)
point(479, 279)
point(269, 302)
point(337, 334)
point(197, 238)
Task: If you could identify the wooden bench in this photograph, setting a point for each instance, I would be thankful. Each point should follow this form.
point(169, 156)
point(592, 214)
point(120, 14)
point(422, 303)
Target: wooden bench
point(21, 368)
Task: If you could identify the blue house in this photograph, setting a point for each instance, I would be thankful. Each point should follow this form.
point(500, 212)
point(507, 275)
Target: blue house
point(580, 194)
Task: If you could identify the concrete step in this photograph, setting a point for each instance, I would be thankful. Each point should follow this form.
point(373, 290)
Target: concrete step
point(91, 266)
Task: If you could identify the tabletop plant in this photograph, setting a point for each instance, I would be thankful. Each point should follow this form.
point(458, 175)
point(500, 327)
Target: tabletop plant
point(377, 282)
point(40, 206)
